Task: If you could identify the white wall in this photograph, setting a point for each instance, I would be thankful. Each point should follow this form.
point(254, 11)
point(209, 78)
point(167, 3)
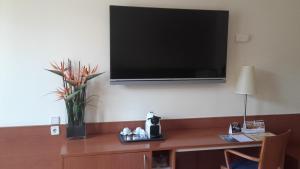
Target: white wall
point(35, 32)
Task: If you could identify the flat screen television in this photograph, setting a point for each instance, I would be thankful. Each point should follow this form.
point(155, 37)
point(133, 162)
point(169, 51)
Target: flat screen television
point(159, 44)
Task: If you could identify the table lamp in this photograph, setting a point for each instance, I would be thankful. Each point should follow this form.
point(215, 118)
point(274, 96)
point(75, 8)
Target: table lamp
point(245, 86)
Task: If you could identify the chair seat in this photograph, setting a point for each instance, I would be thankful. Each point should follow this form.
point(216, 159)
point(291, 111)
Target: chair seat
point(244, 164)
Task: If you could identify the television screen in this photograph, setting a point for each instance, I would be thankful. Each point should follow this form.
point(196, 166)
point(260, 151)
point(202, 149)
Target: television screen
point(167, 44)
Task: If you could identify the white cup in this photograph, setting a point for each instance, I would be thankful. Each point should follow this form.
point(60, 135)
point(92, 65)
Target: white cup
point(142, 132)
point(139, 131)
point(126, 131)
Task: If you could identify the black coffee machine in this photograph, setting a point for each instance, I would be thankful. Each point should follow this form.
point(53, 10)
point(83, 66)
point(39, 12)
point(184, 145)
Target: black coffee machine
point(153, 128)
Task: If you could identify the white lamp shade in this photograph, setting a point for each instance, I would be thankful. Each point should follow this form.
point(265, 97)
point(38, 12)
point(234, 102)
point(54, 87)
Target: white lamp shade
point(245, 84)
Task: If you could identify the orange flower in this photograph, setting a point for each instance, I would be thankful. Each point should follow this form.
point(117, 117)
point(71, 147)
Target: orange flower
point(60, 67)
point(62, 92)
point(73, 79)
point(86, 71)
point(94, 69)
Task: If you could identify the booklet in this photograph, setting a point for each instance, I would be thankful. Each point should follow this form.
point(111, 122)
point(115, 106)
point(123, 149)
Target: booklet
point(236, 138)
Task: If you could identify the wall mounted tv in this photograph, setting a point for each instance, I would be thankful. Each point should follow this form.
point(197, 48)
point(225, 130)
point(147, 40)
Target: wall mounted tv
point(159, 44)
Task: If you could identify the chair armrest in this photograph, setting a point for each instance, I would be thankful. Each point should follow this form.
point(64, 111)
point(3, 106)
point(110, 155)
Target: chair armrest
point(227, 152)
point(236, 153)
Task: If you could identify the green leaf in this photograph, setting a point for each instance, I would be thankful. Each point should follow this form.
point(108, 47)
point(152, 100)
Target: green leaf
point(56, 72)
point(71, 96)
point(77, 91)
point(93, 76)
point(81, 87)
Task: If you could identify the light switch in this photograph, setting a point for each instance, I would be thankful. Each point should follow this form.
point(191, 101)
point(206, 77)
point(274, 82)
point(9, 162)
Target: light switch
point(55, 120)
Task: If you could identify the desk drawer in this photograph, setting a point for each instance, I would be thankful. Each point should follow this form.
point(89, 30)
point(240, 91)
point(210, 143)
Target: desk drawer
point(140, 160)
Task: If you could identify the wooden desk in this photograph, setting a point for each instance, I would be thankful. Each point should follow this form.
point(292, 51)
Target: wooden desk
point(106, 151)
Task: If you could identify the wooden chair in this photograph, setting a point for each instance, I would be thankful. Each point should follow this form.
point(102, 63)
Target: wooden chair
point(272, 155)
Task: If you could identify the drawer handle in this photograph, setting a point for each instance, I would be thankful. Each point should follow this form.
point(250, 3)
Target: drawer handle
point(145, 161)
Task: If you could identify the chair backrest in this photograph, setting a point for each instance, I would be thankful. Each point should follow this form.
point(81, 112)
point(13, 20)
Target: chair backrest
point(272, 153)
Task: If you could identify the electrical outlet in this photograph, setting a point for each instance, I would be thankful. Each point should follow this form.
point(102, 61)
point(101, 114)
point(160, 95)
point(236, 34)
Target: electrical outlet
point(54, 130)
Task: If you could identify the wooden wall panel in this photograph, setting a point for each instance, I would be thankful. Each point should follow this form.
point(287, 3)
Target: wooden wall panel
point(29, 148)
point(34, 148)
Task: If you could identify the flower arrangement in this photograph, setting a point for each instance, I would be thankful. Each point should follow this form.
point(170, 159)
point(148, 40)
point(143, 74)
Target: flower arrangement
point(73, 91)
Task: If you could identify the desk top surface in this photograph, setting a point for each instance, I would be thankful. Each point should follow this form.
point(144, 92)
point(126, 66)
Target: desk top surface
point(175, 139)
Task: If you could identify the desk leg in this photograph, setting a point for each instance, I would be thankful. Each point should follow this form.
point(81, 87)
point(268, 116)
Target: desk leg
point(173, 159)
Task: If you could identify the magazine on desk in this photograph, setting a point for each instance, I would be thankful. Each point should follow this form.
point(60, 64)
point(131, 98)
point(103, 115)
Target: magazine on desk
point(253, 131)
point(255, 126)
